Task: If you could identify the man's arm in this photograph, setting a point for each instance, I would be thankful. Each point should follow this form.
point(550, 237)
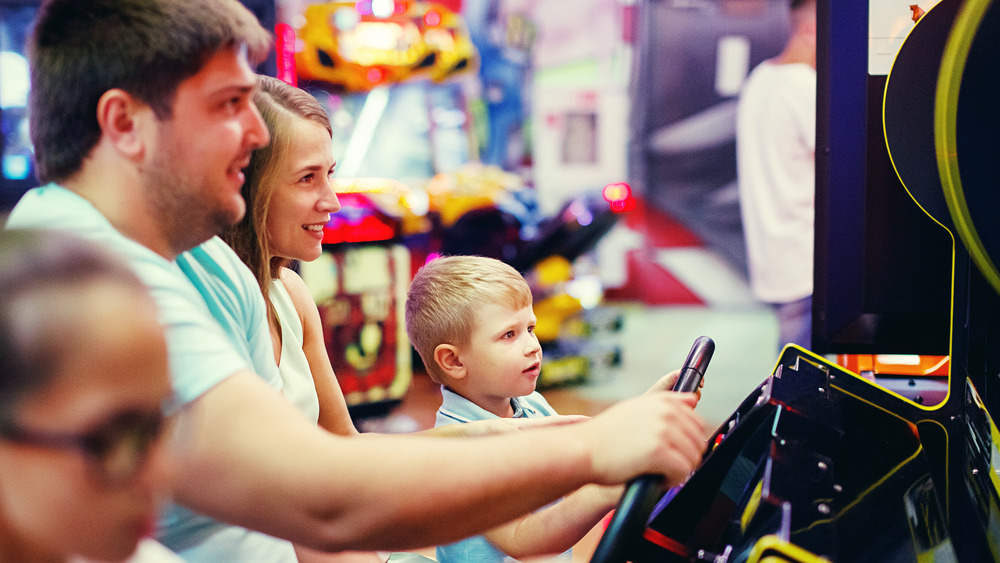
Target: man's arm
point(253, 460)
point(491, 426)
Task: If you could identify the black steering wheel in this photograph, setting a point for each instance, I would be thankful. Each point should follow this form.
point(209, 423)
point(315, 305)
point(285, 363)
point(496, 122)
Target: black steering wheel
point(642, 493)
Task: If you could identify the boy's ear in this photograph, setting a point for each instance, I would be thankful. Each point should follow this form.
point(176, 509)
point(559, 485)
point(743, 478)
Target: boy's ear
point(446, 357)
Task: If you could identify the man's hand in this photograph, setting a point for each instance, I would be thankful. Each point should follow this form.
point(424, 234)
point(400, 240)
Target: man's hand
point(657, 433)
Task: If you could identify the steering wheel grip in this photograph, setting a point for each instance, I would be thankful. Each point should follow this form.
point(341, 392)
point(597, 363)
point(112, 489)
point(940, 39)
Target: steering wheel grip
point(641, 494)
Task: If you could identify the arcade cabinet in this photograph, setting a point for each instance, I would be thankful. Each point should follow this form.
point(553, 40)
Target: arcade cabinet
point(819, 464)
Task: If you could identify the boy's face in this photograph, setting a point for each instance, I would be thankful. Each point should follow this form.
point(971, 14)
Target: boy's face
point(502, 359)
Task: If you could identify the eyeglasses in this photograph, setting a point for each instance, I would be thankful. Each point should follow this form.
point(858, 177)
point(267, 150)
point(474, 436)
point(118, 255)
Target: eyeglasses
point(117, 449)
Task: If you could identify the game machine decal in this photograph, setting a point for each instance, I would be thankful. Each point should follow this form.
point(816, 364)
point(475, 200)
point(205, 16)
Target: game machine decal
point(822, 464)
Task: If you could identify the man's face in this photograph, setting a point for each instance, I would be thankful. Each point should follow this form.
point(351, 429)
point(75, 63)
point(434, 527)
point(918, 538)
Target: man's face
point(194, 168)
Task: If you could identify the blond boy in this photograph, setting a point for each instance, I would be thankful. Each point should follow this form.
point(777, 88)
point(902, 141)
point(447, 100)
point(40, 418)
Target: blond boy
point(471, 320)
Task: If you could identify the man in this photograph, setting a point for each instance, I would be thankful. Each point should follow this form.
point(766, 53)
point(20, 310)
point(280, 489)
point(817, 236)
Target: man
point(776, 156)
point(142, 120)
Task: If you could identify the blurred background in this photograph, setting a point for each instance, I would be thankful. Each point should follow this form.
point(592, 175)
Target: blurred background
point(593, 148)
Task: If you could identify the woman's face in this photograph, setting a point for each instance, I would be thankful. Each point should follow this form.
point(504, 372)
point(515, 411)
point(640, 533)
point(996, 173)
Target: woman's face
point(56, 500)
point(303, 197)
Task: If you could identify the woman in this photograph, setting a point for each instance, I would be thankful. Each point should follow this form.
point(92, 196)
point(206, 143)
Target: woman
point(83, 380)
point(290, 197)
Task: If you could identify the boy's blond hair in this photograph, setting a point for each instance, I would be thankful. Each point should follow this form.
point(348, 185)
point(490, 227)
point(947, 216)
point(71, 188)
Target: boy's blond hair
point(445, 297)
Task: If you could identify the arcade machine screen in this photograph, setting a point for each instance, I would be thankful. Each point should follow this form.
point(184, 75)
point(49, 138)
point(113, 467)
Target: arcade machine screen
point(359, 288)
point(882, 266)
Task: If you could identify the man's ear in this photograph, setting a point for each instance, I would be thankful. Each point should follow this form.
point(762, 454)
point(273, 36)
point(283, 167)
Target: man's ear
point(446, 357)
point(121, 117)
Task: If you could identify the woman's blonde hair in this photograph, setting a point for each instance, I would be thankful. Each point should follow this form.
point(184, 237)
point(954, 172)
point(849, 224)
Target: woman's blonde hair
point(280, 105)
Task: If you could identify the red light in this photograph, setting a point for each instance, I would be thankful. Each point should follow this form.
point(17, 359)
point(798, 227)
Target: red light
point(623, 205)
point(369, 228)
point(619, 191)
point(374, 75)
point(432, 18)
point(619, 195)
point(285, 50)
point(399, 9)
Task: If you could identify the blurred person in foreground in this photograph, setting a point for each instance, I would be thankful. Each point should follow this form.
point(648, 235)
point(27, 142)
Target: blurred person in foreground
point(83, 384)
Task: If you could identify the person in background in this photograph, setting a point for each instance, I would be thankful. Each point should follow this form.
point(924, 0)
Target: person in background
point(83, 381)
point(776, 169)
point(142, 122)
point(470, 318)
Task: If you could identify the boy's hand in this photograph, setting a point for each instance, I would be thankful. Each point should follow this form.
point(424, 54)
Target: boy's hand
point(666, 383)
point(655, 433)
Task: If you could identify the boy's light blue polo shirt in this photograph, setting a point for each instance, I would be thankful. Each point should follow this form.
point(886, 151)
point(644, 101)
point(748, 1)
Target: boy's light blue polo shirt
point(456, 409)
